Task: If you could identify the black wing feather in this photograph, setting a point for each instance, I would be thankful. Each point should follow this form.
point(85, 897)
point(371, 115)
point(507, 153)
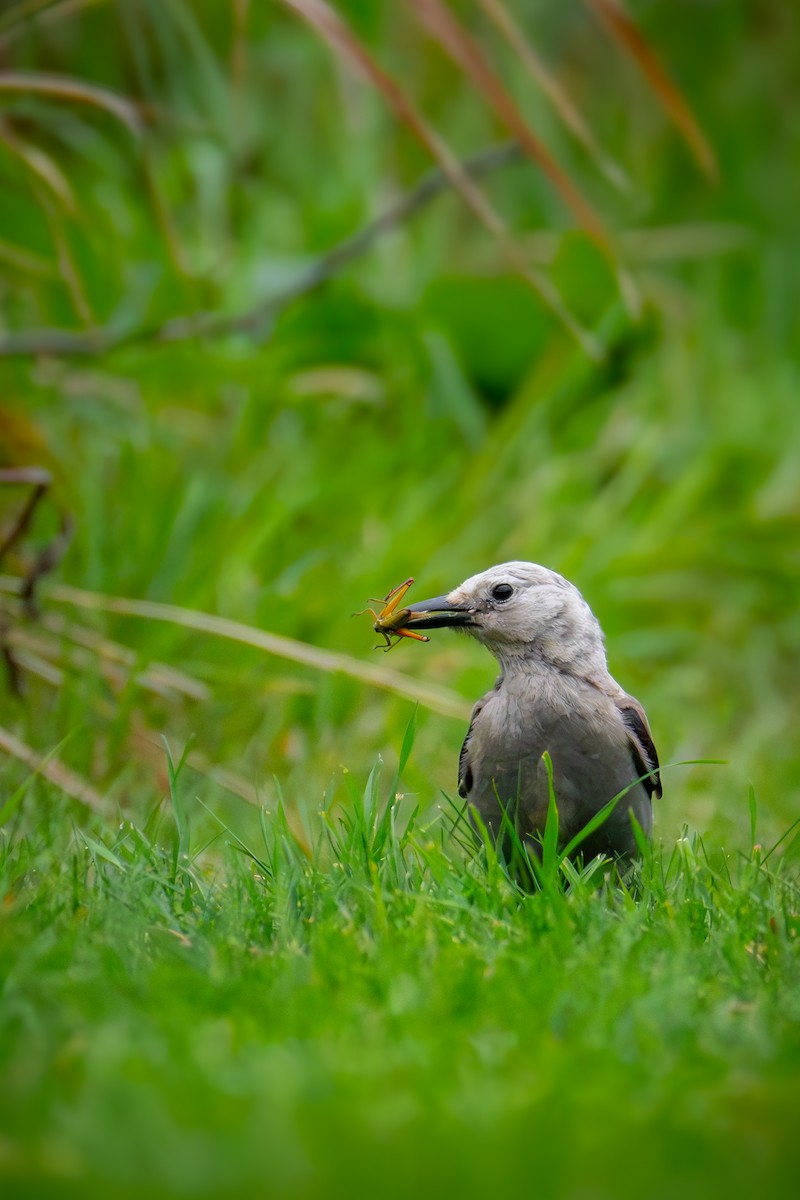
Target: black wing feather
point(643, 750)
point(465, 779)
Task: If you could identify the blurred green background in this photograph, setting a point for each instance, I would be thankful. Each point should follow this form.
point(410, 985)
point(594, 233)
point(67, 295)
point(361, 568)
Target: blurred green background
point(422, 412)
point(386, 1014)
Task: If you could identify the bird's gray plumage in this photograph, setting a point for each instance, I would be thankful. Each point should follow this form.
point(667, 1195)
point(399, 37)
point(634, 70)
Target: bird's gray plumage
point(554, 694)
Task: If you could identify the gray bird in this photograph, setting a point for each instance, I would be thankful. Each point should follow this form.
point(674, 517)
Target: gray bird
point(554, 693)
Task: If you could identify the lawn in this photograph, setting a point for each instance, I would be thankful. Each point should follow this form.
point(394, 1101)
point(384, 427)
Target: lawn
point(386, 1016)
point(278, 360)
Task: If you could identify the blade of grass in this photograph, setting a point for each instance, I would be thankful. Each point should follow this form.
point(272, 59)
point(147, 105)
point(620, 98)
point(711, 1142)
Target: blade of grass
point(67, 267)
point(408, 742)
point(30, 10)
point(599, 818)
point(346, 45)
point(77, 91)
point(99, 851)
point(602, 815)
point(442, 24)
point(498, 14)
point(174, 772)
point(263, 866)
point(51, 768)
point(155, 673)
point(14, 23)
point(752, 805)
point(781, 840)
point(26, 260)
point(41, 165)
point(623, 30)
point(459, 820)
point(438, 699)
point(14, 801)
point(551, 825)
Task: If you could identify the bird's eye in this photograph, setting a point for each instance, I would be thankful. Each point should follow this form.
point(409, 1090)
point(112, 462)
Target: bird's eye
point(502, 591)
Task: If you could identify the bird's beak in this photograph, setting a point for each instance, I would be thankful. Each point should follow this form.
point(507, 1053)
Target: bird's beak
point(438, 613)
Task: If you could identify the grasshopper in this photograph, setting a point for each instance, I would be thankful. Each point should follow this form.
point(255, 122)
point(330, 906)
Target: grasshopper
point(390, 621)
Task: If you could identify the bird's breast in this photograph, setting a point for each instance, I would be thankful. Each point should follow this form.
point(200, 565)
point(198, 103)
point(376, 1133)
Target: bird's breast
point(524, 711)
point(574, 723)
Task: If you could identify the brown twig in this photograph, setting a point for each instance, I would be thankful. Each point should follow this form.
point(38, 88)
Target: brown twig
point(38, 480)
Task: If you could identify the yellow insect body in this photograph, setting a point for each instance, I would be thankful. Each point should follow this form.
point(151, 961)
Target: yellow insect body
point(390, 621)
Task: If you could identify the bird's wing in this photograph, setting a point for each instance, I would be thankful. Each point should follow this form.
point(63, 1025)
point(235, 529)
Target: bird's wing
point(465, 779)
point(640, 739)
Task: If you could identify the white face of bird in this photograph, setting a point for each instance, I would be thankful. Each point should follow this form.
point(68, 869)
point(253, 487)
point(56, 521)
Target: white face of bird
point(513, 606)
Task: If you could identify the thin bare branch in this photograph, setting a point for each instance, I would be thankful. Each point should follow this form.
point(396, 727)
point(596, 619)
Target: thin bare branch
point(38, 480)
point(258, 319)
point(671, 243)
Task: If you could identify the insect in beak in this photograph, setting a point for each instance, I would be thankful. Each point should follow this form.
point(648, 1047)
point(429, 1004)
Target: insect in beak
point(391, 620)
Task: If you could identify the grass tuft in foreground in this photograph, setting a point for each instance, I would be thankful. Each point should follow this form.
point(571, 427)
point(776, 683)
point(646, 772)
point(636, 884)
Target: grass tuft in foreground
point(362, 1007)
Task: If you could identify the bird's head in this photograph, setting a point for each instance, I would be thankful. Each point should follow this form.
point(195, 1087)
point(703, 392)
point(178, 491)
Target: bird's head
point(520, 611)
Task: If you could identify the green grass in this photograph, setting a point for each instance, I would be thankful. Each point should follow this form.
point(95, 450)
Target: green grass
point(265, 970)
point(379, 1012)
